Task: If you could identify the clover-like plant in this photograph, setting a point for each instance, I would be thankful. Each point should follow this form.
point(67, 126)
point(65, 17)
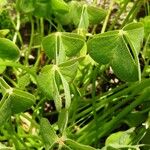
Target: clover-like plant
point(119, 49)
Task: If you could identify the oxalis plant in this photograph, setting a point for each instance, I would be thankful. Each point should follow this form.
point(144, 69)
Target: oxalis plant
point(74, 75)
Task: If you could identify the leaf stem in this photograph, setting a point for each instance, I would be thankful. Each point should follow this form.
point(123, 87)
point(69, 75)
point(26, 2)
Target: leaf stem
point(94, 75)
point(31, 41)
point(107, 17)
point(119, 14)
point(17, 65)
point(130, 13)
point(31, 120)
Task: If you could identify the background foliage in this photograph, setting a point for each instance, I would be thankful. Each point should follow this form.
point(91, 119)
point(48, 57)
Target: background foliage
point(74, 74)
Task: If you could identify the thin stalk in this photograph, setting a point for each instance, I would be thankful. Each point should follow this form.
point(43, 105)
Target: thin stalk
point(116, 120)
point(67, 147)
point(148, 8)
point(42, 26)
point(107, 17)
point(74, 104)
point(29, 136)
point(37, 106)
point(130, 13)
point(36, 46)
point(17, 65)
point(15, 137)
point(94, 2)
point(145, 49)
point(117, 93)
point(38, 60)
point(41, 29)
point(57, 48)
point(94, 101)
point(93, 30)
point(103, 100)
point(137, 9)
point(111, 125)
point(31, 41)
point(106, 116)
point(10, 80)
point(17, 27)
point(146, 5)
point(38, 25)
point(89, 128)
point(31, 120)
point(52, 24)
point(119, 14)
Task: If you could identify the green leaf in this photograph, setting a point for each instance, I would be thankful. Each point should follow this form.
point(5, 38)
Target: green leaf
point(69, 68)
point(4, 32)
point(56, 96)
point(21, 100)
point(121, 147)
point(84, 19)
point(75, 12)
point(46, 86)
point(72, 43)
point(25, 6)
point(121, 137)
point(146, 22)
point(62, 43)
point(119, 49)
point(5, 109)
point(101, 46)
point(132, 31)
point(59, 6)
point(48, 134)
point(2, 4)
point(3, 147)
point(123, 64)
point(63, 120)
point(23, 81)
point(76, 145)
point(42, 8)
point(81, 14)
point(49, 44)
point(135, 119)
point(146, 138)
point(8, 50)
point(4, 86)
point(96, 14)
point(66, 91)
point(49, 86)
point(2, 68)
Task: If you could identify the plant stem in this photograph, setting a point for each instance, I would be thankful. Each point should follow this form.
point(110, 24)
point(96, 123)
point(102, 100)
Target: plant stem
point(130, 13)
point(107, 17)
point(94, 75)
point(137, 9)
point(17, 65)
point(31, 120)
point(119, 14)
point(17, 27)
point(135, 90)
point(42, 26)
point(31, 41)
point(116, 120)
point(10, 80)
point(107, 127)
point(16, 139)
